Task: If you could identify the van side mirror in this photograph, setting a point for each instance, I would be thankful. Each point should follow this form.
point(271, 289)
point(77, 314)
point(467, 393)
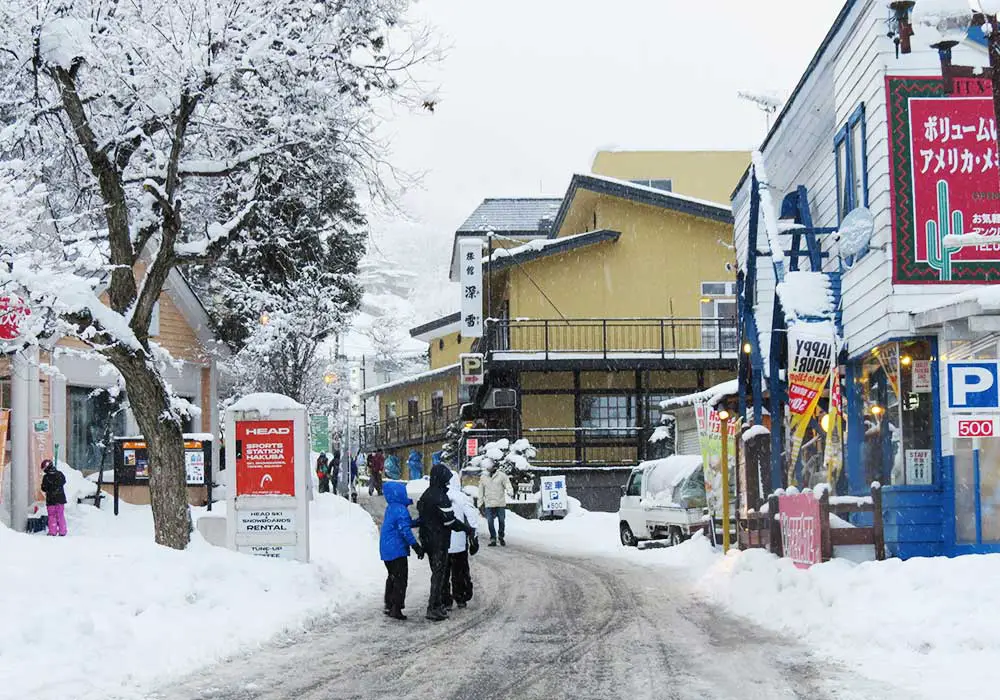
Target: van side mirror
point(623, 490)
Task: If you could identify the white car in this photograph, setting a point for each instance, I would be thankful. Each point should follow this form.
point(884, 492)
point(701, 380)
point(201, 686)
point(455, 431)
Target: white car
point(663, 499)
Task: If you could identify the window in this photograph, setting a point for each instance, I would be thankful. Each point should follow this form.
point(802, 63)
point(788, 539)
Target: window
point(437, 404)
point(898, 418)
point(664, 184)
point(653, 412)
point(718, 309)
point(849, 147)
point(412, 408)
point(390, 410)
point(634, 485)
point(609, 414)
point(91, 415)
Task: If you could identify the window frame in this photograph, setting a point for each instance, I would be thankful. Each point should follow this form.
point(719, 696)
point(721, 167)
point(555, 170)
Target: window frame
point(847, 177)
point(636, 481)
point(412, 409)
point(437, 404)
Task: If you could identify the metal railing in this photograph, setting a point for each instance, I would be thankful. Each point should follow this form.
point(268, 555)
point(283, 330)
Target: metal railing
point(610, 337)
point(422, 426)
point(585, 447)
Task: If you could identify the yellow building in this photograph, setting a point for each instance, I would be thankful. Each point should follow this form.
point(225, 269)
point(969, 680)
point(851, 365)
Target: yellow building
point(621, 297)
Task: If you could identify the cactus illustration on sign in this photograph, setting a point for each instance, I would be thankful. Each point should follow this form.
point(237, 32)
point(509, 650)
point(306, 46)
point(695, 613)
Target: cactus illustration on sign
point(949, 222)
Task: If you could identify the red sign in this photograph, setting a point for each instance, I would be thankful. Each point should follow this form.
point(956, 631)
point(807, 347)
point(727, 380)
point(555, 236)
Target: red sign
point(471, 447)
point(12, 312)
point(974, 427)
point(801, 539)
point(265, 458)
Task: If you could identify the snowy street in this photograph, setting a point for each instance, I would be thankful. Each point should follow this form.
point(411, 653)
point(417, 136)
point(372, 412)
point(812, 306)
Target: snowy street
point(541, 625)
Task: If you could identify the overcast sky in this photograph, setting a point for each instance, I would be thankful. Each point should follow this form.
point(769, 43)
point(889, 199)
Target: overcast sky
point(530, 90)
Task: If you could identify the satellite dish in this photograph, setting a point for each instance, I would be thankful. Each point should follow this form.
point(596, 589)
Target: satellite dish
point(855, 232)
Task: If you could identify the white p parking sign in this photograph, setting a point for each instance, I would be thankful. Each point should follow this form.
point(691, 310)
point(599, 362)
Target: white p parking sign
point(973, 385)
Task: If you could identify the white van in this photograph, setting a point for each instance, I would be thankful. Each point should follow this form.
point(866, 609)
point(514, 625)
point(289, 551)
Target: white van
point(663, 499)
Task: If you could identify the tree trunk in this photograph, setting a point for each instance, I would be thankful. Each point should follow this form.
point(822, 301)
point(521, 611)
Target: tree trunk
point(148, 396)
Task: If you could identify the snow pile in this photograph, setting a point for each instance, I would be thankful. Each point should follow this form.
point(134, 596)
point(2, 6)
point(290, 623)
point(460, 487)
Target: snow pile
point(264, 403)
point(753, 431)
point(712, 396)
point(662, 432)
point(806, 294)
point(147, 613)
point(768, 212)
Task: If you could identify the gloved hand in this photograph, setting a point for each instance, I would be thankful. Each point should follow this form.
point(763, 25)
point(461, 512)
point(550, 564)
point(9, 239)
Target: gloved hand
point(474, 546)
point(469, 530)
point(419, 551)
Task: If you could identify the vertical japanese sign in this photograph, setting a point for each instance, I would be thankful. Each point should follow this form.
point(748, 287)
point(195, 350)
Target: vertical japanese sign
point(810, 359)
point(944, 178)
point(265, 458)
point(41, 448)
point(801, 534)
point(4, 425)
point(470, 277)
point(319, 433)
point(710, 440)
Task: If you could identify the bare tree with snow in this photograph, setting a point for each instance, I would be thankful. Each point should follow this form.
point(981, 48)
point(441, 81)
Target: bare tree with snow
point(149, 133)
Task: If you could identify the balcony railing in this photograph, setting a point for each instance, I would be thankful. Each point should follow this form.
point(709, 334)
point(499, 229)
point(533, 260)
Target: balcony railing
point(419, 427)
point(612, 338)
point(585, 447)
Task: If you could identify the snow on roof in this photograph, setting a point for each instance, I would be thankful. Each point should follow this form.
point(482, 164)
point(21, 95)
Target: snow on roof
point(264, 403)
point(768, 212)
point(806, 294)
point(513, 214)
point(664, 193)
point(410, 379)
point(711, 396)
point(988, 299)
point(538, 245)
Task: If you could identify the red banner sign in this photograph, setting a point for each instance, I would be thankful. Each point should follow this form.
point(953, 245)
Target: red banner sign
point(945, 176)
point(265, 458)
point(12, 313)
point(801, 538)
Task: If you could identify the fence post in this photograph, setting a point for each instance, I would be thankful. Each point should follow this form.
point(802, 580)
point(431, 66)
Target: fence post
point(774, 536)
point(718, 331)
point(826, 543)
point(878, 526)
point(673, 334)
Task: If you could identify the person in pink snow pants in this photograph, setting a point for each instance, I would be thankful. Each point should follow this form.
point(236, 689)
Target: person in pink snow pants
point(55, 498)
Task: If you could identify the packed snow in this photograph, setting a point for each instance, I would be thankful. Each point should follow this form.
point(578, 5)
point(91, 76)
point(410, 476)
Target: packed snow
point(265, 403)
point(806, 294)
point(105, 612)
point(712, 395)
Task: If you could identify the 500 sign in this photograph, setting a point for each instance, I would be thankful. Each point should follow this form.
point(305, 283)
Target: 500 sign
point(975, 426)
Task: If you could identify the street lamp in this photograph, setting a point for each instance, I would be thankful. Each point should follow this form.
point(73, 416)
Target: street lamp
point(942, 24)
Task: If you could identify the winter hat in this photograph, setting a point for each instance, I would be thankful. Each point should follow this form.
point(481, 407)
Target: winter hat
point(47, 465)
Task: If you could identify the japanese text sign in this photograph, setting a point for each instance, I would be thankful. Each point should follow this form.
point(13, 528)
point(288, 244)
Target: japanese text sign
point(471, 447)
point(265, 458)
point(554, 493)
point(801, 535)
point(470, 253)
point(944, 174)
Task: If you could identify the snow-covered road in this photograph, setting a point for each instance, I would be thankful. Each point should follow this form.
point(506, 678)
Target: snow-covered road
point(541, 625)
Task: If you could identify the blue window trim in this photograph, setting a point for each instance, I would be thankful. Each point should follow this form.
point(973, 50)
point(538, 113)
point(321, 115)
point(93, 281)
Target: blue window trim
point(843, 139)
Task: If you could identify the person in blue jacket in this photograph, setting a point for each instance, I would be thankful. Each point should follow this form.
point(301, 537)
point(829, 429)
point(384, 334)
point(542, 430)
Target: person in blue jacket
point(415, 465)
point(392, 467)
point(395, 540)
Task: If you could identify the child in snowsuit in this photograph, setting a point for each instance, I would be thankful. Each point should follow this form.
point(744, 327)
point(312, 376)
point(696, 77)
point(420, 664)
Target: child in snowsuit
point(458, 589)
point(395, 540)
point(55, 498)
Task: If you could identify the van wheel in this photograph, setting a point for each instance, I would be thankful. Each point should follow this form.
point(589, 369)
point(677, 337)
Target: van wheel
point(675, 537)
point(628, 539)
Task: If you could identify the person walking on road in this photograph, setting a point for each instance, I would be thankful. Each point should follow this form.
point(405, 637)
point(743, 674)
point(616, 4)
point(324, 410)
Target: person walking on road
point(458, 589)
point(376, 466)
point(53, 485)
point(323, 472)
point(394, 543)
point(494, 488)
point(335, 471)
point(437, 522)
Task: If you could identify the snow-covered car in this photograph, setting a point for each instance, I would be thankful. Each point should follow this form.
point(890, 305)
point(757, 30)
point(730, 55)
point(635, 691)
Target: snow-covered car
point(663, 499)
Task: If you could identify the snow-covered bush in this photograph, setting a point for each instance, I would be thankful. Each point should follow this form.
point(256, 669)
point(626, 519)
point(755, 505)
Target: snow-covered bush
point(513, 458)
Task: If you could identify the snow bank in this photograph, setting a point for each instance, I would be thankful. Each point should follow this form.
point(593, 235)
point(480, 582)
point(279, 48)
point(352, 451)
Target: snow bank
point(106, 611)
point(264, 403)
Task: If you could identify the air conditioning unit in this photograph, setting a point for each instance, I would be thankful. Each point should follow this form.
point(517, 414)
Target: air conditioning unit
point(501, 398)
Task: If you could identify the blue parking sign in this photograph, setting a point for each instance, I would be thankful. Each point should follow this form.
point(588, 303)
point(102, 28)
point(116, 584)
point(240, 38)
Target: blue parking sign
point(973, 384)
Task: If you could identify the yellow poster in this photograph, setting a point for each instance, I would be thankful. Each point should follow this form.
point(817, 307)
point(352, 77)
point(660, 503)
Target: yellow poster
point(810, 357)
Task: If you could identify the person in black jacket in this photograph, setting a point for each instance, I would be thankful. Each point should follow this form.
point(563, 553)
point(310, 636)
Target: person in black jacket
point(55, 498)
point(437, 521)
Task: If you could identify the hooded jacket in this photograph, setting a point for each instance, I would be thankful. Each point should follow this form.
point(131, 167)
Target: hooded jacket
point(396, 536)
point(437, 517)
point(465, 512)
point(415, 465)
point(52, 485)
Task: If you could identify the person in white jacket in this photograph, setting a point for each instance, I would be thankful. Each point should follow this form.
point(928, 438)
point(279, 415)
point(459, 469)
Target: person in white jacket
point(494, 489)
point(458, 580)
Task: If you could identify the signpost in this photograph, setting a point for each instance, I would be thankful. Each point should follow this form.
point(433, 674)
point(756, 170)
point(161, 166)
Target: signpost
point(319, 433)
point(472, 368)
point(268, 511)
point(554, 497)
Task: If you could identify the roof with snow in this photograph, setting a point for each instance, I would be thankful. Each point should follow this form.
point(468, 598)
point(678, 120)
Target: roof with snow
point(413, 378)
point(533, 250)
point(438, 327)
point(712, 396)
point(641, 194)
point(526, 216)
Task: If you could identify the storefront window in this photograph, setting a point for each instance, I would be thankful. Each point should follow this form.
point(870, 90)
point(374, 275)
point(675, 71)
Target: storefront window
point(898, 443)
point(90, 413)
